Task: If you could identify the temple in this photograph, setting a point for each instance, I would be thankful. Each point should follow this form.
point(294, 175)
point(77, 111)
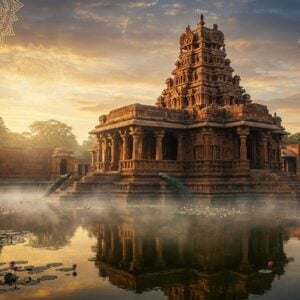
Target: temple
point(203, 130)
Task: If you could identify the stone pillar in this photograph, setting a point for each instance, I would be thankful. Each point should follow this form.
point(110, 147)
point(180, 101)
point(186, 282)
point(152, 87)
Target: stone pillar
point(137, 149)
point(298, 162)
point(99, 154)
point(93, 160)
point(125, 138)
point(243, 133)
point(104, 153)
point(159, 135)
point(114, 149)
point(179, 146)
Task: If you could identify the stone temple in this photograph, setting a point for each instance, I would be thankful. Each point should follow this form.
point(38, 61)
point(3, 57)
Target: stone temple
point(204, 130)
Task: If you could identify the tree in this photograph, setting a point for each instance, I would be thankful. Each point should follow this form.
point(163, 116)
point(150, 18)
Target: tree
point(52, 134)
point(3, 133)
point(292, 139)
point(11, 139)
point(87, 144)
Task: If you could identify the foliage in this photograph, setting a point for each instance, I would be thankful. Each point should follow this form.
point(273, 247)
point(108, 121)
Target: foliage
point(87, 144)
point(292, 139)
point(11, 139)
point(52, 134)
point(45, 134)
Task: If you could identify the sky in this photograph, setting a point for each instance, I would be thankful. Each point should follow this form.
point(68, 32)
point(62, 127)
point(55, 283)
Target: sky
point(74, 60)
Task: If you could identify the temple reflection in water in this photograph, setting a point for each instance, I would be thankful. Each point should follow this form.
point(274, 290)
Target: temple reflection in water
point(189, 257)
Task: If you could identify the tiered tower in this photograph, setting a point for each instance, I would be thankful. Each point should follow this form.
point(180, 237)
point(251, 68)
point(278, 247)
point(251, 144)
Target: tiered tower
point(203, 75)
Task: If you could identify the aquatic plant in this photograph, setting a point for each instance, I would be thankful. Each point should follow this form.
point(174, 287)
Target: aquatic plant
point(208, 211)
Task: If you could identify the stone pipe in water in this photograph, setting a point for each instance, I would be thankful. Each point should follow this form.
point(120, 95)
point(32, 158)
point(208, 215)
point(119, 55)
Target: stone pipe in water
point(57, 184)
point(176, 184)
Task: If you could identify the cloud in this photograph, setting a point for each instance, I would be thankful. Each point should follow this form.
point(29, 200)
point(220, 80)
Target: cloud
point(172, 9)
point(74, 59)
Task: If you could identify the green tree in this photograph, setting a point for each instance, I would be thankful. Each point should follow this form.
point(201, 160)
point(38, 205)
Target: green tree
point(11, 139)
point(4, 134)
point(52, 134)
point(87, 144)
point(292, 139)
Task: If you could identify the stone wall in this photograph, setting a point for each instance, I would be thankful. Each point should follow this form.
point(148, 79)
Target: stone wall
point(25, 163)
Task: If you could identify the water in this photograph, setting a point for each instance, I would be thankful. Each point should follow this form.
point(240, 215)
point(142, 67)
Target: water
point(151, 252)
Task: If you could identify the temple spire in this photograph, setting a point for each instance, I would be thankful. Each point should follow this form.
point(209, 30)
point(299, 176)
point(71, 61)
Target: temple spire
point(202, 23)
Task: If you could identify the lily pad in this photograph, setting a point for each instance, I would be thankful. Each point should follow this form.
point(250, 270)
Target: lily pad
point(35, 272)
point(21, 262)
point(265, 271)
point(51, 265)
point(47, 277)
point(65, 269)
point(32, 282)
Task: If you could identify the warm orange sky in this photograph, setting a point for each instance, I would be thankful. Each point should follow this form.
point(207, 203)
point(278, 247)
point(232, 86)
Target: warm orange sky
point(73, 60)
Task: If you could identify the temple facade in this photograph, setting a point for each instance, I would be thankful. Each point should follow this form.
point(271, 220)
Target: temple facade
point(204, 130)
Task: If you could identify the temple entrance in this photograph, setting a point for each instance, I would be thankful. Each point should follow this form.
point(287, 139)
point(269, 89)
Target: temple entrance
point(290, 165)
point(63, 167)
point(169, 147)
point(149, 145)
point(253, 151)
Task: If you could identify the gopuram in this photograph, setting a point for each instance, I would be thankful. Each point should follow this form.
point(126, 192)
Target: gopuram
point(204, 130)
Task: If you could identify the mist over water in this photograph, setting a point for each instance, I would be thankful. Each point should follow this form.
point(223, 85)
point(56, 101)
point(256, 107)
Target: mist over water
point(224, 248)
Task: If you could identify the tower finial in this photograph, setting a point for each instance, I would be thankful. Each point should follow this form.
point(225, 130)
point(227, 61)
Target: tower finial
point(202, 23)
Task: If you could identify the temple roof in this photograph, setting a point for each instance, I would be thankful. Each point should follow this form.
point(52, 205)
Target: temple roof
point(203, 75)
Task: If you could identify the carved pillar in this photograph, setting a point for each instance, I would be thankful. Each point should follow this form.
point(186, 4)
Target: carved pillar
point(179, 146)
point(125, 138)
point(159, 135)
point(243, 133)
point(137, 149)
point(93, 160)
point(99, 153)
point(104, 153)
point(114, 151)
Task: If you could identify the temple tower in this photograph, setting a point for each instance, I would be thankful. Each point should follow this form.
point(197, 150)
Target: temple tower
point(203, 75)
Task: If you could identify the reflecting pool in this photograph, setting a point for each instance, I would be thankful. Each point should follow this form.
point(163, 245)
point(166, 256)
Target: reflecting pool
point(88, 250)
